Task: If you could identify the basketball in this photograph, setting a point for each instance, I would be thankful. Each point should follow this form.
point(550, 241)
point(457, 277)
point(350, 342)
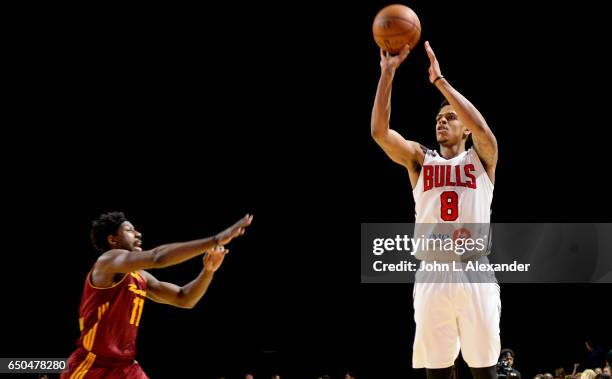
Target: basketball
point(396, 26)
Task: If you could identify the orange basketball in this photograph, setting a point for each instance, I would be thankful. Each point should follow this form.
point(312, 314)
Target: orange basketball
point(395, 26)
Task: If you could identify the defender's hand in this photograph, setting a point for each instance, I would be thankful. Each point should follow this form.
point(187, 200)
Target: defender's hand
point(392, 62)
point(434, 66)
point(235, 230)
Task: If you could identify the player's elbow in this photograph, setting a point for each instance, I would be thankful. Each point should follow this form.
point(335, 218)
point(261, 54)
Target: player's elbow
point(183, 301)
point(185, 304)
point(378, 133)
point(188, 306)
point(375, 134)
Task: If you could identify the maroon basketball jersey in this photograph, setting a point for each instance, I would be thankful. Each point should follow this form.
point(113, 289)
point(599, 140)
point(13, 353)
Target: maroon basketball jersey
point(109, 317)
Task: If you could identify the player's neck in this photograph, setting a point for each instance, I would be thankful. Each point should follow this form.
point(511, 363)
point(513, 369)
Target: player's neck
point(450, 152)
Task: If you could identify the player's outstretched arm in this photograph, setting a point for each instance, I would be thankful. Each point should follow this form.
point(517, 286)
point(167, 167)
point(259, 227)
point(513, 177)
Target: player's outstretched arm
point(121, 261)
point(190, 294)
point(485, 143)
point(400, 150)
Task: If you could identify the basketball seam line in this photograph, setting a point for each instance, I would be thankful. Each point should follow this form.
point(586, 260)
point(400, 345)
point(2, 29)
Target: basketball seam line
point(399, 34)
point(393, 35)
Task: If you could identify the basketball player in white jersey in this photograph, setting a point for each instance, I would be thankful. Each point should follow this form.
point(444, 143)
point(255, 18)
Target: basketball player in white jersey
point(453, 185)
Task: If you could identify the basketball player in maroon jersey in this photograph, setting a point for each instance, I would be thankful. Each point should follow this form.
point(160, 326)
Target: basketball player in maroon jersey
point(453, 186)
point(116, 286)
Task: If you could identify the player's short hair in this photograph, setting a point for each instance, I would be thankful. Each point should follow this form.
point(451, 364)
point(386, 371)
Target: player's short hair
point(443, 104)
point(105, 225)
point(505, 352)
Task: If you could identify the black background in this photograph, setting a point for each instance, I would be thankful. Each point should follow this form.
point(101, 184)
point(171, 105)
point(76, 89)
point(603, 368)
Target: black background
point(187, 118)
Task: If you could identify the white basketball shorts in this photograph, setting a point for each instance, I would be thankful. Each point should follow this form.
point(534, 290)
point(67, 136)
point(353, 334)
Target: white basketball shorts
point(454, 316)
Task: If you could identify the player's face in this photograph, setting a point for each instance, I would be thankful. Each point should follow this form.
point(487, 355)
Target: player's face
point(449, 130)
point(128, 237)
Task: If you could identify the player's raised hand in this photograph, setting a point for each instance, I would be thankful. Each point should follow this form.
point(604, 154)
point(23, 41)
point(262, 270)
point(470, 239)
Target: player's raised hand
point(235, 230)
point(214, 257)
point(392, 62)
point(434, 66)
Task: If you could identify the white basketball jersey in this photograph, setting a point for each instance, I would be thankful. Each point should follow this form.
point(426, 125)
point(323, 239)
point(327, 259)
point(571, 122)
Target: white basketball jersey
point(452, 200)
point(456, 190)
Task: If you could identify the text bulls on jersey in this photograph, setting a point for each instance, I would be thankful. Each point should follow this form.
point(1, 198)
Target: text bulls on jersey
point(448, 176)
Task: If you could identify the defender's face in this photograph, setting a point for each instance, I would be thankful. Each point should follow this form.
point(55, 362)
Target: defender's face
point(127, 238)
point(449, 130)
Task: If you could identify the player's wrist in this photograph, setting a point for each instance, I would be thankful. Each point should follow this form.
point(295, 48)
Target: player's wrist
point(438, 80)
point(387, 72)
